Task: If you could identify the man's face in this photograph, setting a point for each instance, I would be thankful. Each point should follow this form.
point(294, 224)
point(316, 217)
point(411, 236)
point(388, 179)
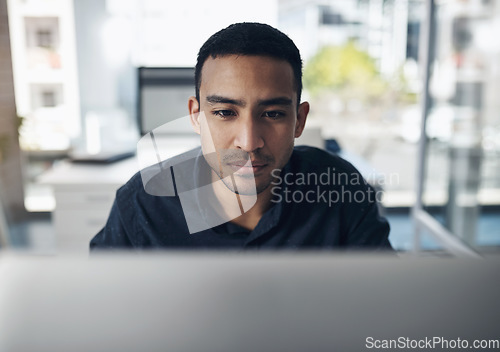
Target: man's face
point(250, 114)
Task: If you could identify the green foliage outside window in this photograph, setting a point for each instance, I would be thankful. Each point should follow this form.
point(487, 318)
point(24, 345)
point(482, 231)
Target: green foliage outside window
point(351, 73)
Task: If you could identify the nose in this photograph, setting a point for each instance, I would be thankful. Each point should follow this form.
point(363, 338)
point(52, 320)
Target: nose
point(249, 135)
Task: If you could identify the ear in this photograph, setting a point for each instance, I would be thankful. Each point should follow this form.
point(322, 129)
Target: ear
point(302, 113)
point(194, 113)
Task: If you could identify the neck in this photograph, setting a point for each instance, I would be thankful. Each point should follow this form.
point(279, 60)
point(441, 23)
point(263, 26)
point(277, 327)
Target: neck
point(244, 214)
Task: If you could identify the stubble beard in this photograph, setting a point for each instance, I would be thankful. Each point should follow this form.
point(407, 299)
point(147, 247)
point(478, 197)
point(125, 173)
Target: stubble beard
point(243, 184)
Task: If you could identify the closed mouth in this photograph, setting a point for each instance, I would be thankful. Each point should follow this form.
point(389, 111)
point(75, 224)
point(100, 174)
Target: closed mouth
point(246, 166)
point(247, 163)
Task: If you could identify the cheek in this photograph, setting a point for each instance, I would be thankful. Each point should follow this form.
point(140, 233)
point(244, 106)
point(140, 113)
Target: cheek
point(207, 136)
point(283, 135)
point(218, 137)
point(282, 141)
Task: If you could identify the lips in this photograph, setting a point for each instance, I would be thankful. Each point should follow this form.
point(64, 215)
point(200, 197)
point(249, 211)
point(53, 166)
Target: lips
point(247, 166)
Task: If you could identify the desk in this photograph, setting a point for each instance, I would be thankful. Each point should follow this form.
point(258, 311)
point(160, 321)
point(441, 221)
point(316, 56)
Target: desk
point(84, 194)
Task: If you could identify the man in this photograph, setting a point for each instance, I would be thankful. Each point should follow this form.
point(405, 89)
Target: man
point(247, 187)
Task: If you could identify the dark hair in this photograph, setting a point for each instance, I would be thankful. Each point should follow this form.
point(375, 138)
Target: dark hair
point(250, 39)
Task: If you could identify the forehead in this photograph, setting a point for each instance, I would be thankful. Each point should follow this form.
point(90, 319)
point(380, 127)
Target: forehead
point(247, 76)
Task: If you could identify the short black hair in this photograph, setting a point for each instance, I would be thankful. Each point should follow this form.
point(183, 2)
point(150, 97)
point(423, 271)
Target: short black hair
point(250, 39)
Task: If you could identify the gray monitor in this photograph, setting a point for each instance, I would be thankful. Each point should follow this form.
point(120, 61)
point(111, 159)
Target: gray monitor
point(176, 301)
point(163, 97)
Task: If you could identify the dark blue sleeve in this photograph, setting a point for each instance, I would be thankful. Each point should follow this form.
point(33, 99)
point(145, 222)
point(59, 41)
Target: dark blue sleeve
point(371, 231)
point(366, 227)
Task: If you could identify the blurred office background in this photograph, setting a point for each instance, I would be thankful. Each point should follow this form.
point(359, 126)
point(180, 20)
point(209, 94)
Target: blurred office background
point(407, 90)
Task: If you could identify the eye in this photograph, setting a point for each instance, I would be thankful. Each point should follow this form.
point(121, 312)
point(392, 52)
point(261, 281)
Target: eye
point(224, 114)
point(274, 115)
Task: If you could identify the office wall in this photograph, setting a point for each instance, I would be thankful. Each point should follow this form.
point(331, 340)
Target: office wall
point(11, 178)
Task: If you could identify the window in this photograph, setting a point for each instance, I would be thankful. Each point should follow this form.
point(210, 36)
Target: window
point(48, 98)
point(44, 38)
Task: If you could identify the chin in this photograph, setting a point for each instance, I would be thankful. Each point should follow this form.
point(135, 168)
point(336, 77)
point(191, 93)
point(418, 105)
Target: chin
point(246, 186)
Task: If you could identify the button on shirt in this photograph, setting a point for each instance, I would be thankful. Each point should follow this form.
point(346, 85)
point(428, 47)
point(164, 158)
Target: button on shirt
point(320, 201)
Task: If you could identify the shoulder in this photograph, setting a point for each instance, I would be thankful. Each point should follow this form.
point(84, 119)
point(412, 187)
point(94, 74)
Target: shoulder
point(156, 180)
point(313, 167)
point(305, 158)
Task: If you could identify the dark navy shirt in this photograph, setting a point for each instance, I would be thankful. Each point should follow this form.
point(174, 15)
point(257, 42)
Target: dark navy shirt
point(322, 202)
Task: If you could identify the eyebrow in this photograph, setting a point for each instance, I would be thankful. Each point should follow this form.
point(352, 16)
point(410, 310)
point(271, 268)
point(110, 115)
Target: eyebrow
point(218, 99)
point(276, 101)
